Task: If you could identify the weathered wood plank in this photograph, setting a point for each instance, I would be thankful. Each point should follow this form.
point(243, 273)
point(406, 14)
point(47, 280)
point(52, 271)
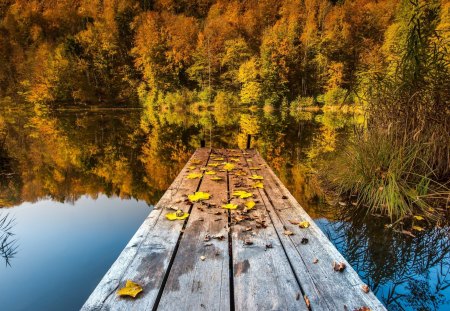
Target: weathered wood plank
point(263, 278)
point(147, 255)
point(324, 287)
point(199, 277)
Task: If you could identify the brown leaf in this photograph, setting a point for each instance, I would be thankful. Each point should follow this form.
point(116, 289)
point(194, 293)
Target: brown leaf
point(365, 288)
point(308, 304)
point(315, 260)
point(248, 242)
point(288, 233)
point(339, 266)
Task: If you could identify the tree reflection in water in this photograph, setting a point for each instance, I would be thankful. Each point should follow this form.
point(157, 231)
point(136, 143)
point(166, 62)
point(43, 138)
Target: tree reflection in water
point(405, 272)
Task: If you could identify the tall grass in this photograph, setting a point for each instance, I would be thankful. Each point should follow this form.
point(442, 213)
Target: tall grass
point(387, 178)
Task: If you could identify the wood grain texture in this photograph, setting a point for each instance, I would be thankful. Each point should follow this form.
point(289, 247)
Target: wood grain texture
point(326, 289)
point(268, 269)
point(263, 278)
point(147, 255)
point(199, 277)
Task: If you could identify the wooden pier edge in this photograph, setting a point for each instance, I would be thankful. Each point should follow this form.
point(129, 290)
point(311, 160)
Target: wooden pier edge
point(219, 259)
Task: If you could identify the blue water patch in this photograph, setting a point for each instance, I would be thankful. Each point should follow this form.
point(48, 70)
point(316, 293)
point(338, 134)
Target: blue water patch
point(64, 249)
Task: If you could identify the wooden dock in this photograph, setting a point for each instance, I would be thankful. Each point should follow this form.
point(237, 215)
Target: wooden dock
point(248, 258)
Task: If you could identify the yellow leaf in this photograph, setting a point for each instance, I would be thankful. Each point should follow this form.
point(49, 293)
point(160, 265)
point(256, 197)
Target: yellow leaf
point(199, 196)
point(210, 173)
point(258, 185)
point(254, 168)
point(234, 159)
point(203, 168)
point(417, 228)
point(230, 206)
point(242, 194)
point(178, 215)
point(228, 166)
point(195, 161)
point(419, 217)
point(194, 175)
point(131, 289)
point(216, 178)
point(250, 204)
point(249, 160)
point(256, 177)
point(217, 159)
point(213, 164)
point(192, 167)
point(241, 173)
point(303, 224)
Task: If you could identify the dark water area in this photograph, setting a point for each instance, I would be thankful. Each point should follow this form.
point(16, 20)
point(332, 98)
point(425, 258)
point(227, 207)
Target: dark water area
point(75, 185)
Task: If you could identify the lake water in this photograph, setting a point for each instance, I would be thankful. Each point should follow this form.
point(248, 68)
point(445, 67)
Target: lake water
point(76, 185)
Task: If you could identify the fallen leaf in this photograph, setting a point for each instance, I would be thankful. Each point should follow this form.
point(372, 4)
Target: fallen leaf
point(250, 204)
point(254, 168)
point(202, 258)
point(288, 233)
point(179, 215)
point(256, 177)
point(304, 241)
point(248, 242)
point(365, 288)
point(213, 164)
point(210, 173)
point(419, 217)
point(230, 206)
point(216, 178)
point(241, 173)
point(248, 229)
point(363, 309)
point(417, 228)
point(199, 196)
point(218, 159)
point(194, 175)
point(235, 159)
point(196, 161)
point(315, 260)
point(269, 245)
point(192, 167)
point(304, 224)
point(339, 266)
point(408, 233)
point(308, 304)
point(131, 289)
point(242, 194)
point(228, 166)
point(258, 184)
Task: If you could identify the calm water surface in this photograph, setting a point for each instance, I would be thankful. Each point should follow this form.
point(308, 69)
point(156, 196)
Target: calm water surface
point(77, 184)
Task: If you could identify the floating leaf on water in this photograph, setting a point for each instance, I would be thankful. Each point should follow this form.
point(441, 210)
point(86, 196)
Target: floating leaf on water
point(199, 196)
point(230, 206)
point(419, 217)
point(250, 204)
point(304, 224)
point(228, 166)
point(256, 177)
point(258, 184)
point(417, 228)
point(178, 215)
point(210, 173)
point(216, 178)
point(242, 194)
point(131, 289)
point(194, 175)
